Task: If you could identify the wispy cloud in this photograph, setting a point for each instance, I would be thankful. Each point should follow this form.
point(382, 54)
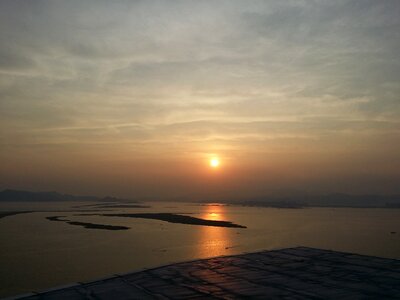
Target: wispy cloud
point(168, 78)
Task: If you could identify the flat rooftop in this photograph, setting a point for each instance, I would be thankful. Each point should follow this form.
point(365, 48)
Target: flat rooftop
point(293, 273)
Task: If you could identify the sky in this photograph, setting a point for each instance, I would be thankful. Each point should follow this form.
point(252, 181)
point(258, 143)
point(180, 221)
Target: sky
point(133, 98)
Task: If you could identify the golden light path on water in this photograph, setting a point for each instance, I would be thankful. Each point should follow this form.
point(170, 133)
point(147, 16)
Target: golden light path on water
point(214, 241)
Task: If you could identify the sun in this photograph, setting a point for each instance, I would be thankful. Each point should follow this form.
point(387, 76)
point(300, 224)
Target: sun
point(214, 162)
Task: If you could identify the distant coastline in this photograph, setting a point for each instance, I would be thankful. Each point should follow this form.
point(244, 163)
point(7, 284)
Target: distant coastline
point(28, 196)
point(321, 201)
point(293, 202)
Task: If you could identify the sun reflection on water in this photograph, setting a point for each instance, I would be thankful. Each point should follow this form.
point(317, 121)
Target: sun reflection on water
point(214, 241)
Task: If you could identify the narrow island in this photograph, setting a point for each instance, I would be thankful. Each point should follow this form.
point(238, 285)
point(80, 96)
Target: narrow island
point(87, 225)
point(4, 214)
point(173, 218)
point(122, 206)
point(112, 205)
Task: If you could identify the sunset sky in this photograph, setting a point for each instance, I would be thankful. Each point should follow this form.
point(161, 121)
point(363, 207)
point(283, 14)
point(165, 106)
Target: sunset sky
point(133, 98)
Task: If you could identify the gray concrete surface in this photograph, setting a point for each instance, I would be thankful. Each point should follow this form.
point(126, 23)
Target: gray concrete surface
point(293, 273)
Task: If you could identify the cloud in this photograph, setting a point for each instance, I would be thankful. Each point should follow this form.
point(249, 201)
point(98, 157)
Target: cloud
point(162, 78)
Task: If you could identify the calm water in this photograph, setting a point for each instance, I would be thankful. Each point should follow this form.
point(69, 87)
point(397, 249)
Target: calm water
point(36, 253)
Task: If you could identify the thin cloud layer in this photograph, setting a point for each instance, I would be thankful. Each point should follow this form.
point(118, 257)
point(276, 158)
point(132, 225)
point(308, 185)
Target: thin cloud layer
point(274, 88)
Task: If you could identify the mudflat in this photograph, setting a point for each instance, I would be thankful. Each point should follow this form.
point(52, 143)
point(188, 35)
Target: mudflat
point(173, 218)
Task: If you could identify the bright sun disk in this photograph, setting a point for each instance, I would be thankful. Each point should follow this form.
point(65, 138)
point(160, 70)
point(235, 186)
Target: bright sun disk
point(214, 162)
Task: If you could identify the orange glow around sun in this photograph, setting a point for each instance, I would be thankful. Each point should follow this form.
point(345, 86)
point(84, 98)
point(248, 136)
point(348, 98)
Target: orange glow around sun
point(214, 162)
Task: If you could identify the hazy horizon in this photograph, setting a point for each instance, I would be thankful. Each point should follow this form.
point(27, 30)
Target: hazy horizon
point(133, 98)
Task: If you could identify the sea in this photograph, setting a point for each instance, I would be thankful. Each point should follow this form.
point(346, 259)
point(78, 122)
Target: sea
point(37, 254)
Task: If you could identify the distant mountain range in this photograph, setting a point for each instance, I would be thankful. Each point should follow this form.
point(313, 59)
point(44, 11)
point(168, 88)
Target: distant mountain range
point(23, 196)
